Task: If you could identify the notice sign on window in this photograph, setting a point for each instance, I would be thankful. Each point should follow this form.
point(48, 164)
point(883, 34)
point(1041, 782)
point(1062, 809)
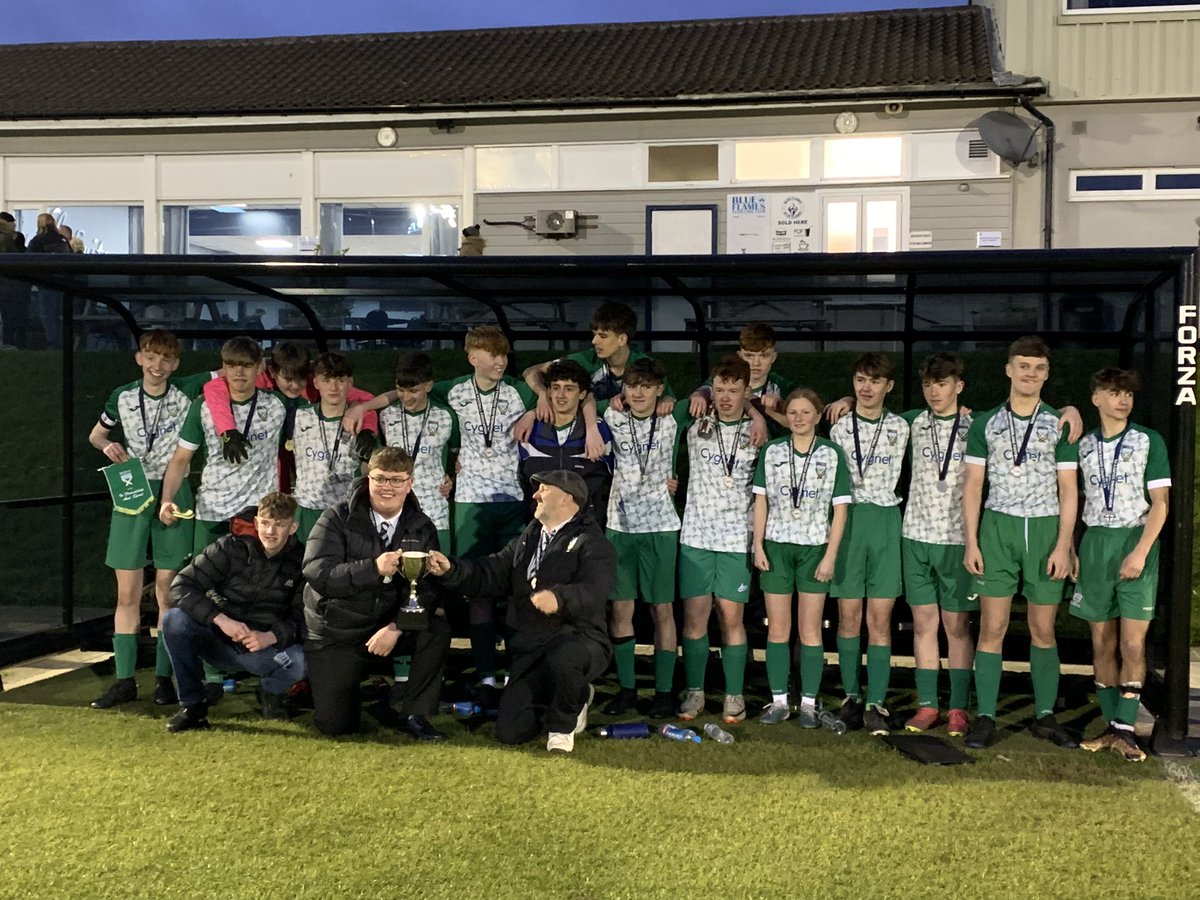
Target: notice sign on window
point(771, 223)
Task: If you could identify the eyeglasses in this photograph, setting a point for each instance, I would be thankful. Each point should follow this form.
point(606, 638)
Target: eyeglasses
point(391, 481)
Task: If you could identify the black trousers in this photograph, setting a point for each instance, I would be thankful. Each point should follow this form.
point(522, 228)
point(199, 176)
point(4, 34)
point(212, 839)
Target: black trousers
point(548, 687)
point(335, 673)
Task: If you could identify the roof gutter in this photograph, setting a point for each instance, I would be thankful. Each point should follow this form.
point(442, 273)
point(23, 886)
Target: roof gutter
point(780, 102)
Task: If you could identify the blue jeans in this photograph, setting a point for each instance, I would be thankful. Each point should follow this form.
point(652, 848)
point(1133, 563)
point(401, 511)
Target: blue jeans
point(191, 644)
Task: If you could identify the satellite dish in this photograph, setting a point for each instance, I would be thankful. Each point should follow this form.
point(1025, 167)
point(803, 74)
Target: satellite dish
point(1009, 137)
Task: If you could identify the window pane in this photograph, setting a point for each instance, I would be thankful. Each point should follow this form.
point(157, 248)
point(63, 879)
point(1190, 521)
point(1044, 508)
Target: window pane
point(683, 162)
point(231, 228)
point(1187, 182)
point(841, 226)
point(1108, 182)
point(881, 226)
point(1120, 5)
point(514, 168)
point(872, 157)
point(102, 229)
point(409, 229)
point(771, 160)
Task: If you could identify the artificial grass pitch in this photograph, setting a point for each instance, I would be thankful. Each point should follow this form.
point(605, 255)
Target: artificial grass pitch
point(108, 804)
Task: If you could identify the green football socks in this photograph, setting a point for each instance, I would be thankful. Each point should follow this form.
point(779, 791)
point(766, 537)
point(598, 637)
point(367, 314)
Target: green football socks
point(695, 659)
point(623, 653)
point(988, 667)
point(125, 653)
point(927, 683)
point(778, 667)
point(849, 661)
point(162, 660)
point(401, 666)
point(1127, 709)
point(1107, 698)
point(1043, 670)
point(664, 671)
point(879, 674)
point(733, 661)
point(812, 666)
point(960, 688)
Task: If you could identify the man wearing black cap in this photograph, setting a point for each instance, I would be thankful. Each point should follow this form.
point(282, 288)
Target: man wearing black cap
point(558, 573)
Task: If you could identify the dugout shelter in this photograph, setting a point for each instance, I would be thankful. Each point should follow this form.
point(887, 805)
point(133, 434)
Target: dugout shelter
point(1134, 308)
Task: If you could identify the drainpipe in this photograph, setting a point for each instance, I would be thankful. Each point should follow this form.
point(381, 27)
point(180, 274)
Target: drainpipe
point(1047, 173)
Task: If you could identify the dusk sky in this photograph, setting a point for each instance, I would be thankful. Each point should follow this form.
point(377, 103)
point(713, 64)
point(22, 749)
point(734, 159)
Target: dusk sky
point(129, 20)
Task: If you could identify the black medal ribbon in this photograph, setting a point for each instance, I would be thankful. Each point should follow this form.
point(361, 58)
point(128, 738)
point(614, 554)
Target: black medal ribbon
point(1108, 481)
point(1019, 455)
point(337, 440)
point(420, 431)
point(862, 469)
point(250, 416)
point(729, 461)
point(945, 466)
point(643, 464)
point(798, 488)
point(487, 424)
point(151, 431)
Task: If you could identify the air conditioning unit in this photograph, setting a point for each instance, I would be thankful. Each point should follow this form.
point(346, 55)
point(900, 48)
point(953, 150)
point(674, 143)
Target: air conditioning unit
point(556, 222)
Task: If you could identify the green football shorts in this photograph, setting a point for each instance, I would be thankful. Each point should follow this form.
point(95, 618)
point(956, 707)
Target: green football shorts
point(868, 562)
point(793, 568)
point(645, 561)
point(1015, 551)
point(481, 529)
point(720, 572)
point(130, 536)
point(934, 573)
point(1101, 594)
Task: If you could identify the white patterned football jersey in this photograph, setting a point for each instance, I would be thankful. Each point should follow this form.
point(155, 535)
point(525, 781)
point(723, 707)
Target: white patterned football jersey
point(644, 454)
point(488, 453)
point(432, 433)
point(801, 489)
point(883, 442)
point(1127, 476)
point(226, 488)
point(150, 425)
point(326, 463)
point(1028, 490)
point(716, 515)
point(934, 515)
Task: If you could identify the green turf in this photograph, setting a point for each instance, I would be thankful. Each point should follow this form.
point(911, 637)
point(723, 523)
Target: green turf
point(107, 804)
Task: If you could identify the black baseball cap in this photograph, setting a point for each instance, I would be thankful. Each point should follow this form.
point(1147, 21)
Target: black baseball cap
point(565, 480)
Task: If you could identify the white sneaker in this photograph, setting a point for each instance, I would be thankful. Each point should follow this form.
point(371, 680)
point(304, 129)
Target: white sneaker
point(692, 704)
point(581, 722)
point(563, 743)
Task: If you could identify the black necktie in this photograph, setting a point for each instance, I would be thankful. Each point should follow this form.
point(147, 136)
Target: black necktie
point(383, 532)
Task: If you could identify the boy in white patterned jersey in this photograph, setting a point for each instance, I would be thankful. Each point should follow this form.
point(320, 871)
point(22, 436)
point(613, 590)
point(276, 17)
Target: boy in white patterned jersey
point(868, 565)
point(802, 491)
point(227, 487)
point(643, 526)
point(428, 432)
point(326, 461)
point(756, 345)
point(1023, 536)
point(149, 413)
point(1126, 490)
point(715, 539)
point(489, 510)
point(936, 584)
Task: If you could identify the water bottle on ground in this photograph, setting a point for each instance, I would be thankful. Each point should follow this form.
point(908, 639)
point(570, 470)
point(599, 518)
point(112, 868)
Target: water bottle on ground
point(465, 708)
point(715, 732)
point(832, 722)
point(283, 660)
point(229, 685)
point(624, 730)
point(675, 733)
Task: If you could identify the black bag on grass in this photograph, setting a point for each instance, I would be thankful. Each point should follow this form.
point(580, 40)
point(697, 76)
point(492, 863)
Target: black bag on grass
point(927, 749)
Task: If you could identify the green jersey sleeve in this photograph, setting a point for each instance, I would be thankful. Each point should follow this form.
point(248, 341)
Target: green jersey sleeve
point(682, 417)
point(192, 385)
point(587, 359)
point(524, 391)
point(1064, 451)
point(441, 390)
point(760, 472)
point(193, 427)
point(1158, 466)
point(111, 415)
point(841, 479)
point(977, 447)
point(911, 415)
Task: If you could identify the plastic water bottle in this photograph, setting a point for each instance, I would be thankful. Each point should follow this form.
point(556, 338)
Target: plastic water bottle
point(715, 732)
point(229, 685)
point(624, 730)
point(283, 660)
point(831, 721)
point(675, 733)
point(465, 708)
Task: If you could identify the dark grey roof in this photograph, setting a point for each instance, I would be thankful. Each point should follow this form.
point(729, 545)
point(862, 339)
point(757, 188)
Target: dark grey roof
point(945, 51)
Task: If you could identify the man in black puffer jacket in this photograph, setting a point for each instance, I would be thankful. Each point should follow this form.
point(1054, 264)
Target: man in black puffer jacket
point(352, 602)
point(558, 575)
point(237, 606)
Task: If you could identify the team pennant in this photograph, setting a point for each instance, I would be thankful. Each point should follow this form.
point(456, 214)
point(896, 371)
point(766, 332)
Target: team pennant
point(129, 487)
